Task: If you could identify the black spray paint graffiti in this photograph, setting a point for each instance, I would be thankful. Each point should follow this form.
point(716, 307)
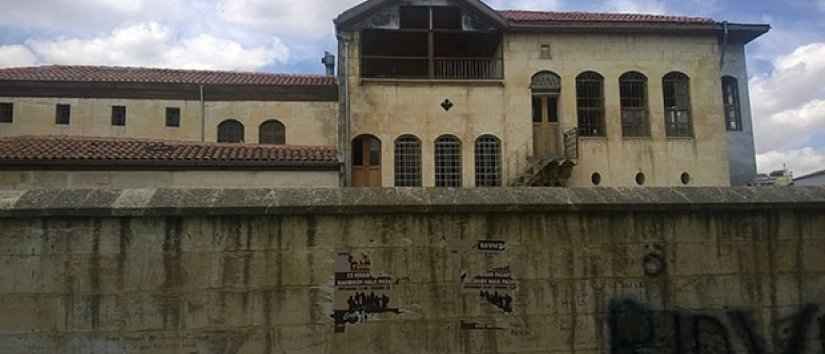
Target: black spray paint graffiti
point(502, 301)
point(635, 329)
point(495, 287)
point(358, 292)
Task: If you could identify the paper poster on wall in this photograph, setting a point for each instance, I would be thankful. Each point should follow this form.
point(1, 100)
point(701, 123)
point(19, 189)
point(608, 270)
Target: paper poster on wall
point(359, 293)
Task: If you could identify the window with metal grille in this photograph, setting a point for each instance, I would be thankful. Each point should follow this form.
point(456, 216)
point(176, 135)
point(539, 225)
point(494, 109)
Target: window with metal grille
point(172, 117)
point(730, 97)
point(448, 168)
point(678, 121)
point(6, 113)
point(407, 161)
point(488, 161)
point(62, 114)
point(272, 132)
point(590, 101)
point(231, 131)
point(119, 116)
point(633, 92)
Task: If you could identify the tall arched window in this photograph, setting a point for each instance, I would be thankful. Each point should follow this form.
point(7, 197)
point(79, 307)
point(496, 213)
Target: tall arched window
point(448, 167)
point(633, 92)
point(407, 161)
point(730, 97)
point(678, 121)
point(488, 161)
point(590, 100)
point(272, 132)
point(230, 131)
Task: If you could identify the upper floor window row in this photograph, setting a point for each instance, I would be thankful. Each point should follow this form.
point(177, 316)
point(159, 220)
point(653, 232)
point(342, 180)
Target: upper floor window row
point(431, 43)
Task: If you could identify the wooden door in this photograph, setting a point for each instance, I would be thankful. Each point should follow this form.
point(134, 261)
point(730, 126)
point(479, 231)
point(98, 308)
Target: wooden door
point(366, 162)
point(546, 127)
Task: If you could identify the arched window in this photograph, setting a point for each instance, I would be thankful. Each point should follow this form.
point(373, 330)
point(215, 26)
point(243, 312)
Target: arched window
point(590, 100)
point(730, 97)
point(230, 131)
point(407, 161)
point(448, 168)
point(678, 121)
point(546, 88)
point(488, 161)
point(633, 92)
point(272, 132)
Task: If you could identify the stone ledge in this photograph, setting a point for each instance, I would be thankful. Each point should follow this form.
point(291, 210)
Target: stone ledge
point(181, 202)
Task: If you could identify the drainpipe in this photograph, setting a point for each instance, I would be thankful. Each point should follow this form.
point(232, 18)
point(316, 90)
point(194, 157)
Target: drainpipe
point(203, 116)
point(724, 45)
point(344, 112)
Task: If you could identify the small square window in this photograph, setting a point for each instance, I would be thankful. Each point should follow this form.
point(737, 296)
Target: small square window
point(172, 117)
point(544, 52)
point(63, 114)
point(119, 116)
point(6, 112)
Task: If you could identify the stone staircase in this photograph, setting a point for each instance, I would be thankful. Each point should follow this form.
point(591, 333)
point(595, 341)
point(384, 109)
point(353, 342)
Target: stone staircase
point(548, 172)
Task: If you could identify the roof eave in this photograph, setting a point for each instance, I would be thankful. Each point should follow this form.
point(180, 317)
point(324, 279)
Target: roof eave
point(365, 8)
point(154, 165)
point(745, 33)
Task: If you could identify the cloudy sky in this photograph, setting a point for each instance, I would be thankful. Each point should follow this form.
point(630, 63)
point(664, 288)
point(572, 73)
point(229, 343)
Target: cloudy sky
point(787, 66)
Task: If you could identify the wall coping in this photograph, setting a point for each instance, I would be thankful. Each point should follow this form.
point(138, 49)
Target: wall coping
point(186, 202)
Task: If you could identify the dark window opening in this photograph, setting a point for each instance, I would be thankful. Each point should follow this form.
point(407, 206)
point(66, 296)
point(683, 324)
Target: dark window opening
point(62, 114)
point(686, 178)
point(538, 114)
point(640, 179)
point(272, 132)
point(448, 163)
point(172, 117)
point(730, 98)
point(447, 17)
point(596, 178)
point(425, 49)
point(488, 161)
point(408, 162)
point(415, 17)
point(553, 109)
point(119, 116)
point(6, 112)
point(590, 101)
point(231, 131)
point(633, 92)
point(678, 121)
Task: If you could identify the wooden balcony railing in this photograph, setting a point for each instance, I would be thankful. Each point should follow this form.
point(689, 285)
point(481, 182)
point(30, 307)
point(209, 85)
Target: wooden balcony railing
point(468, 69)
point(432, 69)
point(571, 144)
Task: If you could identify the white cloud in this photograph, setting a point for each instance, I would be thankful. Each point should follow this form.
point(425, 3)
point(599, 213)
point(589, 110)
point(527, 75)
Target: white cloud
point(526, 4)
point(789, 103)
point(16, 55)
point(303, 18)
point(635, 6)
point(154, 45)
point(800, 161)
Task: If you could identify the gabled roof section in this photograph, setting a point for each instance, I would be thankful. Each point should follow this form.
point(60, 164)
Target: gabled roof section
point(368, 7)
point(103, 153)
point(551, 17)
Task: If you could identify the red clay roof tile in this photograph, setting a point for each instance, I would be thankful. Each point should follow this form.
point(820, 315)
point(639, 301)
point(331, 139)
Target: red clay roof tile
point(102, 152)
point(81, 73)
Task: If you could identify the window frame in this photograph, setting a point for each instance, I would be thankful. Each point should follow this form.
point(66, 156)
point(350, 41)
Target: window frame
point(408, 171)
point(62, 114)
point(734, 107)
point(639, 129)
point(680, 104)
point(590, 112)
point(488, 152)
point(7, 112)
point(119, 116)
point(278, 136)
point(174, 120)
point(449, 164)
point(221, 134)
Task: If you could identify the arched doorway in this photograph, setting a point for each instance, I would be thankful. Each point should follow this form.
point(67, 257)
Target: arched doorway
point(546, 89)
point(366, 161)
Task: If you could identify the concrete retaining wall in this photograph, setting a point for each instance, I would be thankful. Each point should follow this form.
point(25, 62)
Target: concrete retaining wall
point(413, 271)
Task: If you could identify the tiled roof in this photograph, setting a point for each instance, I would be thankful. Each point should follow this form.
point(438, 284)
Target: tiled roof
point(117, 152)
point(166, 76)
point(544, 17)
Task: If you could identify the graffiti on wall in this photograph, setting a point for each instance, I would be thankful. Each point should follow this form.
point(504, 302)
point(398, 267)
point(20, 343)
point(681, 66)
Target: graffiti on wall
point(496, 286)
point(359, 293)
point(636, 329)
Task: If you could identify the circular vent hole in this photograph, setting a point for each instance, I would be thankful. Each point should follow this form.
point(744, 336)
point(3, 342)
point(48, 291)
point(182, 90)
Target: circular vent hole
point(640, 179)
point(686, 178)
point(596, 178)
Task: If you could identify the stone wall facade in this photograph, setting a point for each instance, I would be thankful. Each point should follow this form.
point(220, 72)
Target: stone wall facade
point(413, 271)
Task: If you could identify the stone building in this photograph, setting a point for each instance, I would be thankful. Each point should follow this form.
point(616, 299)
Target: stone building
point(449, 93)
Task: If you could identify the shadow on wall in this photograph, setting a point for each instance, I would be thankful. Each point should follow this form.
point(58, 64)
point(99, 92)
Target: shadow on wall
point(636, 329)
